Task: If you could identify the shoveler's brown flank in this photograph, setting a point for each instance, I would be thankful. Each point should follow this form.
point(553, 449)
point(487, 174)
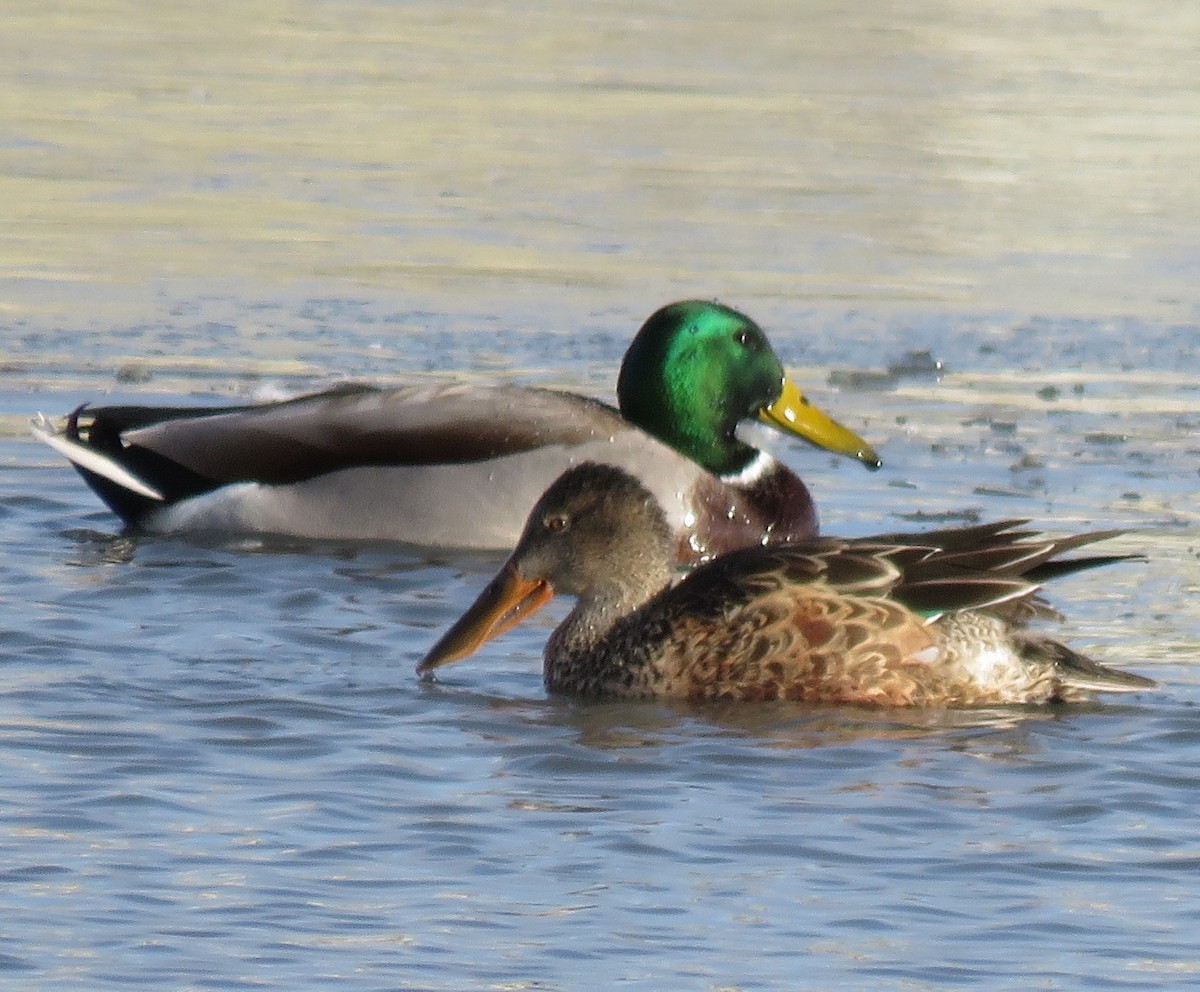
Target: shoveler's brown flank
point(916, 620)
point(460, 465)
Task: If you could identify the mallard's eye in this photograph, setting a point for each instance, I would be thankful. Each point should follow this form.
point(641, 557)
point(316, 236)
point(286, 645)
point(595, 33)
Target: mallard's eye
point(555, 522)
point(748, 338)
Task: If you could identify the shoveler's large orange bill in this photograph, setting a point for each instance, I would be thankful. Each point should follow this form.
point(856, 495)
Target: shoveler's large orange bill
point(506, 601)
point(794, 414)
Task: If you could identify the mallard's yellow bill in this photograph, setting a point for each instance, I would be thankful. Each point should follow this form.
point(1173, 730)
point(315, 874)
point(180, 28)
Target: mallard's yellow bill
point(504, 603)
point(793, 413)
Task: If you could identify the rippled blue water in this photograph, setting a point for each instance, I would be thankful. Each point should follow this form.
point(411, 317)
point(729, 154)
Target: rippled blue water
point(221, 772)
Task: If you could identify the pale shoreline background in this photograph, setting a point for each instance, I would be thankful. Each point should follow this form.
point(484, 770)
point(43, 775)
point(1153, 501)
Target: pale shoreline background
point(575, 158)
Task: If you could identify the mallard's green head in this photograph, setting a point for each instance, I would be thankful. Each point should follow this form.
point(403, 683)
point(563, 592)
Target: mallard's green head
point(697, 369)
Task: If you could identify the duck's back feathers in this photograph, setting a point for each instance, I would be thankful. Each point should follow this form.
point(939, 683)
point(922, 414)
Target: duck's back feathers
point(312, 435)
point(924, 576)
point(443, 465)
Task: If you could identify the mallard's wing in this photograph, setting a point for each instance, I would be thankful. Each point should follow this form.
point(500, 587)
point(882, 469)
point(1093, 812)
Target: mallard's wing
point(451, 466)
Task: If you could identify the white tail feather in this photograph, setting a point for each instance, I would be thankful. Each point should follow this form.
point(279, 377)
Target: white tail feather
point(93, 461)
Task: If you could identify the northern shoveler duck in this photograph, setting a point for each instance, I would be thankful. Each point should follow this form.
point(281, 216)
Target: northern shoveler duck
point(460, 466)
point(898, 620)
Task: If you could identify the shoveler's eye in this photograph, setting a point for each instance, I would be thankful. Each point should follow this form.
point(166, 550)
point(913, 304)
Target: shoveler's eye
point(554, 522)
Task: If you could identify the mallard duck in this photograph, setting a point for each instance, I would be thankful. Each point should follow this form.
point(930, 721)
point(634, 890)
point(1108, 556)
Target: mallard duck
point(899, 620)
point(460, 465)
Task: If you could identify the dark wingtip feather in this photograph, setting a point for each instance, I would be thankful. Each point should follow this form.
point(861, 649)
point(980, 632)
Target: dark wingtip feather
point(1077, 671)
point(1068, 566)
point(950, 595)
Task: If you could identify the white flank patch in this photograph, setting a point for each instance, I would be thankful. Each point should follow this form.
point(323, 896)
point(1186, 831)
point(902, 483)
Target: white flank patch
point(233, 508)
point(990, 665)
point(926, 656)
